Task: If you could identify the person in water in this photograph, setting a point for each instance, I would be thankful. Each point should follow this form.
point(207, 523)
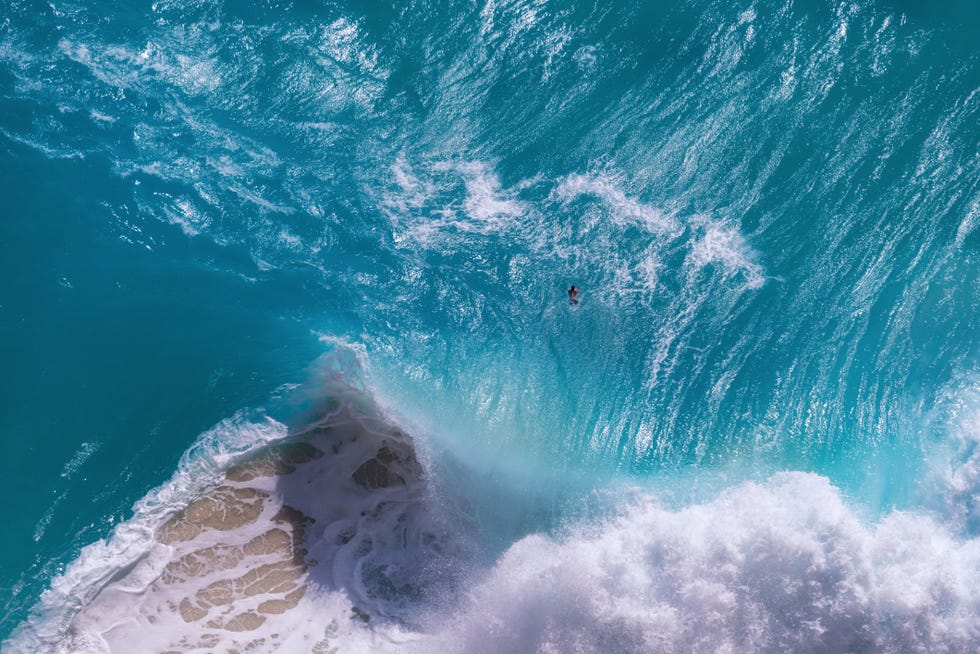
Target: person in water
point(572, 294)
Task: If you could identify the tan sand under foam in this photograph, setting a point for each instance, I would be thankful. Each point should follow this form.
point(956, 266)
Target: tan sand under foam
point(275, 461)
point(283, 605)
point(247, 621)
point(226, 508)
point(201, 562)
point(274, 541)
point(226, 557)
point(232, 565)
point(269, 565)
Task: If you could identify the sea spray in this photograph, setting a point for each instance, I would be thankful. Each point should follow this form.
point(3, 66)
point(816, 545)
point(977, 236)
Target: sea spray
point(770, 210)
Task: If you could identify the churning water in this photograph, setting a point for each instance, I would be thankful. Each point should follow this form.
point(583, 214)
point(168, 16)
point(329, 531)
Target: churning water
point(289, 366)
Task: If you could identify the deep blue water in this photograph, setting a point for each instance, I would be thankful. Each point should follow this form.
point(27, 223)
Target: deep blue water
point(772, 209)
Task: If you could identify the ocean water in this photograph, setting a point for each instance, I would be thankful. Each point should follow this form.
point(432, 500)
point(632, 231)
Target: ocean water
point(288, 363)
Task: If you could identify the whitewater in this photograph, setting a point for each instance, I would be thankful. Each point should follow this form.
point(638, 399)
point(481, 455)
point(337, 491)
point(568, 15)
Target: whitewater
point(289, 364)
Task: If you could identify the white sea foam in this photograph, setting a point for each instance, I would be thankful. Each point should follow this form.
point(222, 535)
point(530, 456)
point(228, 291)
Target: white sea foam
point(78, 459)
point(42, 525)
point(623, 209)
point(263, 544)
point(722, 244)
point(962, 497)
point(620, 242)
point(705, 240)
point(427, 207)
point(414, 192)
point(773, 567)
point(485, 200)
point(181, 211)
point(100, 117)
point(287, 535)
point(104, 560)
point(953, 483)
point(970, 222)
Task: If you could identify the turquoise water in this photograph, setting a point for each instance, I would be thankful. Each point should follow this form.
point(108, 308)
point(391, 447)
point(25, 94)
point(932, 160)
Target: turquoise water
point(772, 209)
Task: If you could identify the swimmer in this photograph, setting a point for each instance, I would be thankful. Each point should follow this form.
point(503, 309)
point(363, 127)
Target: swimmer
point(572, 294)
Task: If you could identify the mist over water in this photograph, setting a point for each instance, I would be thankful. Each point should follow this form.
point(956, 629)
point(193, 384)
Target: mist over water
point(225, 225)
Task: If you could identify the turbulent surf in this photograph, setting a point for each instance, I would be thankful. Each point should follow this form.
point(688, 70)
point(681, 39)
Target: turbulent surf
point(290, 365)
